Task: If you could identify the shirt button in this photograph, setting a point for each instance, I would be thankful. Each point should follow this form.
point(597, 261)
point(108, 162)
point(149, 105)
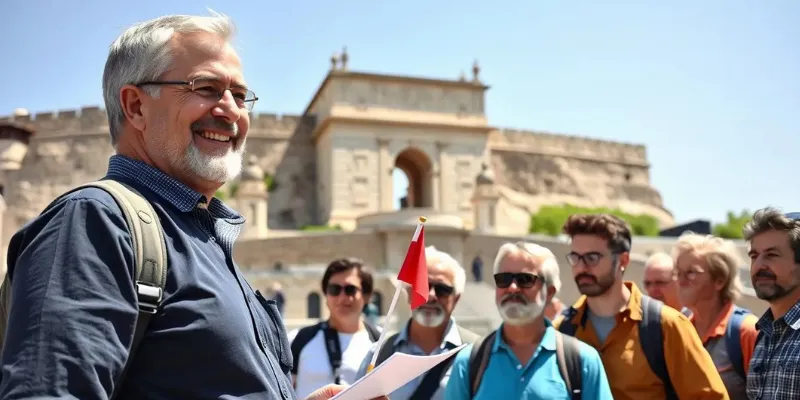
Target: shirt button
point(519, 366)
point(522, 379)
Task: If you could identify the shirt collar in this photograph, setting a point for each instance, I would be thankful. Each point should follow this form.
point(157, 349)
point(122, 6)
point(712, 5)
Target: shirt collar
point(792, 318)
point(548, 341)
point(634, 307)
point(450, 335)
point(168, 188)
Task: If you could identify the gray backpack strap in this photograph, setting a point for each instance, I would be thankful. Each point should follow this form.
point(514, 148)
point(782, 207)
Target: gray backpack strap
point(568, 355)
point(150, 256)
point(467, 336)
point(386, 350)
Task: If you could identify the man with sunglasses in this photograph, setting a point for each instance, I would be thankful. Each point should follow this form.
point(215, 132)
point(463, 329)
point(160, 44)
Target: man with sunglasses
point(431, 330)
point(774, 249)
point(526, 358)
point(649, 351)
point(331, 351)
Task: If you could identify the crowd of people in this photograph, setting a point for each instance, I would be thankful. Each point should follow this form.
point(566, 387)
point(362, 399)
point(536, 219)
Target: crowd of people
point(131, 291)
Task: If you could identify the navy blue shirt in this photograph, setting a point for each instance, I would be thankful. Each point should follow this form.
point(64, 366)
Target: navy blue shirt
point(74, 303)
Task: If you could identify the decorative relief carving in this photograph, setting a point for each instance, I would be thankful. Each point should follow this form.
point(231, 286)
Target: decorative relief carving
point(358, 170)
point(464, 184)
point(411, 97)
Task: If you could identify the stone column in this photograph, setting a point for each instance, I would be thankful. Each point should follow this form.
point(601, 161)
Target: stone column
point(440, 195)
point(385, 170)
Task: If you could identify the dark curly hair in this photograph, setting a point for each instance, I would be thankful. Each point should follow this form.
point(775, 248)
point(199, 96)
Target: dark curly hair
point(610, 227)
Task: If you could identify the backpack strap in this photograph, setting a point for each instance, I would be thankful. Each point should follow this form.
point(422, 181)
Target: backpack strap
point(686, 311)
point(433, 378)
point(567, 326)
point(568, 356)
point(478, 361)
point(651, 338)
point(304, 335)
point(467, 336)
point(733, 341)
point(374, 333)
point(150, 256)
point(334, 349)
point(386, 350)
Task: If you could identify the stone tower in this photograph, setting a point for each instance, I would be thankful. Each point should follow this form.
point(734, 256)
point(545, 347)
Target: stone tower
point(251, 198)
point(485, 199)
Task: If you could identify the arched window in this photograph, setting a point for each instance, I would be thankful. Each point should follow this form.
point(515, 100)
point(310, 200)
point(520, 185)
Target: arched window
point(313, 305)
point(377, 299)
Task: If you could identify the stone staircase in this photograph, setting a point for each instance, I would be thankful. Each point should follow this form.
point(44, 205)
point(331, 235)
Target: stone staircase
point(476, 309)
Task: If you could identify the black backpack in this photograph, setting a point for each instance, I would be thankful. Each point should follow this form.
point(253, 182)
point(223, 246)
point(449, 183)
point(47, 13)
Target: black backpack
point(568, 356)
point(304, 335)
point(650, 335)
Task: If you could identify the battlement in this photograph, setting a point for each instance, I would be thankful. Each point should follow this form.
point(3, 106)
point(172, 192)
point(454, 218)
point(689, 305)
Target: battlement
point(568, 145)
point(93, 120)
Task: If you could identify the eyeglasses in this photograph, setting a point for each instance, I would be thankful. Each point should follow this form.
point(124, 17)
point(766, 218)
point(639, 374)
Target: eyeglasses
point(441, 289)
point(335, 289)
point(524, 280)
point(688, 275)
point(213, 89)
point(590, 259)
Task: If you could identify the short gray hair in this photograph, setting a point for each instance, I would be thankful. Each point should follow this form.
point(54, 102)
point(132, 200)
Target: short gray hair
point(440, 258)
point(142, 53)
point(658, 257)
point(534, 252)
point(771, 218)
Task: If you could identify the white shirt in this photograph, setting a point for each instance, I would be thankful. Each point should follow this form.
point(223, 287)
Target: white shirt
point(314, 367)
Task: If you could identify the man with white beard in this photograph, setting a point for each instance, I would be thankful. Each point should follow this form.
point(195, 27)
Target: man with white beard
point(526, 358)
point(178, 111)
point(431, 330)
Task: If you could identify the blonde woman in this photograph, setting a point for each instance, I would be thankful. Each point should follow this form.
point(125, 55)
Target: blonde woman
point(708, 280)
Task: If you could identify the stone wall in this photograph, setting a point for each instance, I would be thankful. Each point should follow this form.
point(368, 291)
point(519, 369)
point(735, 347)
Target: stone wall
point(562, 168)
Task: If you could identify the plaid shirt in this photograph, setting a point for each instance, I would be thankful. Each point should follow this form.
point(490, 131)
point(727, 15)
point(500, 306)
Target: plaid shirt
point(775, 366)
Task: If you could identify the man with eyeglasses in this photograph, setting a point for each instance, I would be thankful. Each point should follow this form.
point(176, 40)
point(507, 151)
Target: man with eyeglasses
point(82, 323)
point(774, 249)
point(331, 351)
point(649, 351)
point(526, 358)
point(431, 329)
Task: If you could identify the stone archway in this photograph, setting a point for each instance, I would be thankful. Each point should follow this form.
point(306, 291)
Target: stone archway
point(418, 168)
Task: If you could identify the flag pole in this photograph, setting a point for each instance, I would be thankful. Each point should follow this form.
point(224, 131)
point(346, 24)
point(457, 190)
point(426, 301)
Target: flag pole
point(390, 312)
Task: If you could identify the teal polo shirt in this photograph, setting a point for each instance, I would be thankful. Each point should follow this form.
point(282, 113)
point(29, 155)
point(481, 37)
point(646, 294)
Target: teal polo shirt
point(507, 378)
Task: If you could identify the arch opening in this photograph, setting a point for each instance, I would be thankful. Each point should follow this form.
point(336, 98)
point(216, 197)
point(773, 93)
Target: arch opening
point(416, 189)
point(314, 306)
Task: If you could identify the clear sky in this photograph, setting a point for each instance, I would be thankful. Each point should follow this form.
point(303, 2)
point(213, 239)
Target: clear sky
point(709, 86)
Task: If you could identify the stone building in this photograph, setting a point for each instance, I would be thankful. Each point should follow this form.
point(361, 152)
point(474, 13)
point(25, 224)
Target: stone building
point(331, 166)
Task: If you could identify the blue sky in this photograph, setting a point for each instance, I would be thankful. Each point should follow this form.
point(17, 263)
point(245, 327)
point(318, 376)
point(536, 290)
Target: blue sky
point(710, 87)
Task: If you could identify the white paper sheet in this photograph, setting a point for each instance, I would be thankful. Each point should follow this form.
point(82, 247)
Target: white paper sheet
point(392, 374)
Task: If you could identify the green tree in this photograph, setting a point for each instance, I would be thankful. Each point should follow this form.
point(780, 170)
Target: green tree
point(550, 219)
point(732, 228)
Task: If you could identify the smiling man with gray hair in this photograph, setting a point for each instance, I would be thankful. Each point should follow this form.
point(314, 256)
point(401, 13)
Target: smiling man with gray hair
point(431, 329)
point(149, 303)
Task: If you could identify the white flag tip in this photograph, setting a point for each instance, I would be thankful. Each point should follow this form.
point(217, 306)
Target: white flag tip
point(422, 219)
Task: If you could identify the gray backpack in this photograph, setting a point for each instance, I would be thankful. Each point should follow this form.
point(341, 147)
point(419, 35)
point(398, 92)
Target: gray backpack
point(150, 256)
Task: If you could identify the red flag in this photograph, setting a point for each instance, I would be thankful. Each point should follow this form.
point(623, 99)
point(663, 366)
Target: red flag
point(415, 269)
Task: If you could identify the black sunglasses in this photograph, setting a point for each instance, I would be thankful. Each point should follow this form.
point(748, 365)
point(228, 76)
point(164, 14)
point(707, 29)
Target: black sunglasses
point(334, 289)
point(441, 289)
point(523, 279)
